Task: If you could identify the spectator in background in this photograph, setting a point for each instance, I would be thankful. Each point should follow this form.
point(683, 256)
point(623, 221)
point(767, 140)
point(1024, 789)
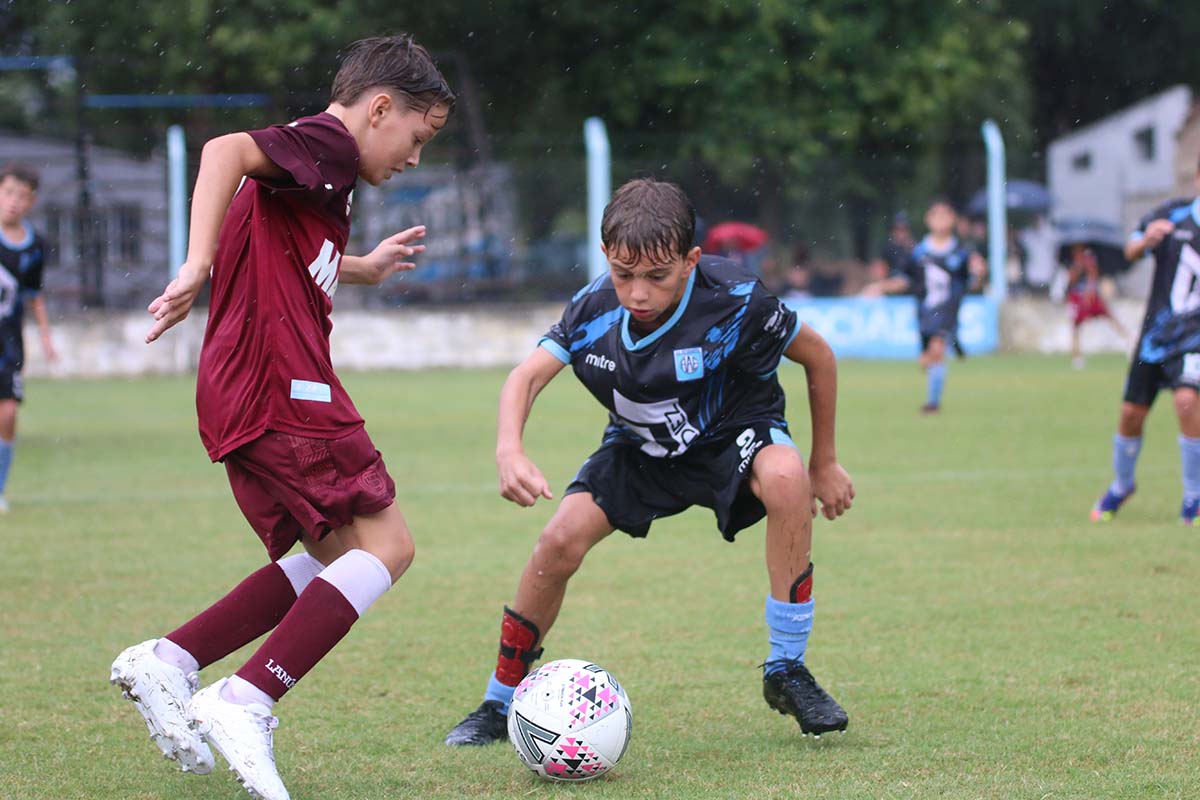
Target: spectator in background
point(741, 242)
point(825, 278)
point(1083, 296)
point(796, 280)
point(894, 254)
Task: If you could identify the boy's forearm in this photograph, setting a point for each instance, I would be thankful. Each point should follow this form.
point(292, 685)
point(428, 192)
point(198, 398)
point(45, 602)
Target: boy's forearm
point(516, 401)
point(40, 316)
point(521, 388)
point(811, 351)
point(1135, 249)
point(821, 373)
point(351, 271)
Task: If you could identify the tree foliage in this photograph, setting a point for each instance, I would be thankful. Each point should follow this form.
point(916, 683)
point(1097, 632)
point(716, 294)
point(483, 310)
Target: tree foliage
point(769, 92)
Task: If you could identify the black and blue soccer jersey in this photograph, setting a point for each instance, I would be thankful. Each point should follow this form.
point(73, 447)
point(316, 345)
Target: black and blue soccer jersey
point(20, 279)
point(1172, 323)
point(707, 372)
point(939, 279)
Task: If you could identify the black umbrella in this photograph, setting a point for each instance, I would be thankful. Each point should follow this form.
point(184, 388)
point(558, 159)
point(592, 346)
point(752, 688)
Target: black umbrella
point(1019, 195)
point(1103, 238)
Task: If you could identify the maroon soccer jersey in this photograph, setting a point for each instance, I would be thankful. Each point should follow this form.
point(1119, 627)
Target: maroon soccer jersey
point(265, 364)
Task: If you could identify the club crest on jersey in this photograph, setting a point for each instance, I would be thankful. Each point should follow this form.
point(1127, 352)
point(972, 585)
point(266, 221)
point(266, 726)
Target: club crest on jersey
point(689, 364)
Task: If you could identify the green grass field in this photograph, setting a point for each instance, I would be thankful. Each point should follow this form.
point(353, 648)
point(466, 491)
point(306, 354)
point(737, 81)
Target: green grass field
point(987, 640)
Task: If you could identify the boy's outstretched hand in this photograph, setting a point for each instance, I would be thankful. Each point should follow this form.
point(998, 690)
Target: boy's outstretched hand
point(832, 486)
point(173, 305)
point(389, 256)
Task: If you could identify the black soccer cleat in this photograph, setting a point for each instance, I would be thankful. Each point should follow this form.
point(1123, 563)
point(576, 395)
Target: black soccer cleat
point(793, 690)
point(484, 725)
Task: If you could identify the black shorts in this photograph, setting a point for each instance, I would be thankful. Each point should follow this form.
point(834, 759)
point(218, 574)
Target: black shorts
point(634, 489)
point(11, 385)
point(1146, 379)
point(940, 321)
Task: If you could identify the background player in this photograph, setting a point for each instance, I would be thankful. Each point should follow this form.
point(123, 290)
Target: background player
point(939, 272)
point(682, 351)
point(21, 260)
point(1083, 296)
point(1167, 355)
point(300, 463)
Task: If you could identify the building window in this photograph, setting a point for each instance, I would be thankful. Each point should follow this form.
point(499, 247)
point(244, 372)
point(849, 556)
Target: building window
point(1143, 142)
point(128, 225)
point(1082, 162)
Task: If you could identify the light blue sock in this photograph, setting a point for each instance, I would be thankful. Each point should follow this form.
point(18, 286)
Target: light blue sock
point(1125, 456)
point(501, 693)
point(1189, 452)
point(937, 380)
point(6, 457)
point(789, 625)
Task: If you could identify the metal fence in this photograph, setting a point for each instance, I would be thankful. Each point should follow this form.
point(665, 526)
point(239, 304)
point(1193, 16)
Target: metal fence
point(505, 224)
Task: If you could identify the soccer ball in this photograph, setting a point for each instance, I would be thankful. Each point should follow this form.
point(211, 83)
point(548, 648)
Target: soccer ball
point(570, 720)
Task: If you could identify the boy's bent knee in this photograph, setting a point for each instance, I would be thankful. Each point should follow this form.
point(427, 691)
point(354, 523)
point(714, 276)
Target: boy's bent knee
point(779, 476)
point(560, 549)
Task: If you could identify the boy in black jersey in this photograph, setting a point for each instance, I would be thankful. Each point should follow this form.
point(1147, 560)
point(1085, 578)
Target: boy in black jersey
point(938, 272)
point(22, 257)
point(682, 350)
point(1167, 354)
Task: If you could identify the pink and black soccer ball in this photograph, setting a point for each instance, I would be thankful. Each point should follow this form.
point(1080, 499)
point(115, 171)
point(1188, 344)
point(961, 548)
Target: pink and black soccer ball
point(570, 720)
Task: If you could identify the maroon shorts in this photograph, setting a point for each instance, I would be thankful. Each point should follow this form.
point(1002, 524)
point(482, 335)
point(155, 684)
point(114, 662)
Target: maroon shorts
point(290, 485)
point(1085, 306)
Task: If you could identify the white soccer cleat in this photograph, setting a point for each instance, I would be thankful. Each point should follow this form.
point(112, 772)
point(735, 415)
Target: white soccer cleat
point(243, 736)
point(3, 505)
point(161, 692)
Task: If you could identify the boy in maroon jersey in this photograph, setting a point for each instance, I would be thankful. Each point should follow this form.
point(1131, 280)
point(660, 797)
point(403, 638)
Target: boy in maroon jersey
point(270, 221)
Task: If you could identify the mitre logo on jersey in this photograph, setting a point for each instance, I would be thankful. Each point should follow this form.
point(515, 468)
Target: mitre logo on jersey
point(600, 362)
point(689, 364)
point(324, 268)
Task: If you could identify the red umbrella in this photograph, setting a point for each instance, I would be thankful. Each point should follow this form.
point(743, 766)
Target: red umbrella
point(740, 236)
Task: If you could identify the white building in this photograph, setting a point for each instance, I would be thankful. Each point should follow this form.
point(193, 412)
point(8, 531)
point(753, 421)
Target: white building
point(1117, 168)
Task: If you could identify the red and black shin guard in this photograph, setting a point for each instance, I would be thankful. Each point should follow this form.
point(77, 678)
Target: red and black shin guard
point(518, 648)
point(801, 591)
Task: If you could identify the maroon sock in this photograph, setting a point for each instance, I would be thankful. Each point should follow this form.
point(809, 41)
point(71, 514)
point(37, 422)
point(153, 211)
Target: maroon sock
point(253, 607)
point(317, 621)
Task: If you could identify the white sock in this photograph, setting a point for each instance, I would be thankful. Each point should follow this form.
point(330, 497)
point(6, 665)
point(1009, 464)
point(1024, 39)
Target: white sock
point(244, 693)
point(360, 577)
point(300, 569)
point(168, 652)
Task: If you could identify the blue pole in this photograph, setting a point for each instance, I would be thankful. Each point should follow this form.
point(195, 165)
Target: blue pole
point(997, 210)
point(599, 188)
point(176, 197)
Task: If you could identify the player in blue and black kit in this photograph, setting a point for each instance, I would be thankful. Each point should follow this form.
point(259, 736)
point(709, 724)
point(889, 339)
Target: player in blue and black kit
point(938, 273)
point(1167, 354)
point(21, 262)
point(682, 351)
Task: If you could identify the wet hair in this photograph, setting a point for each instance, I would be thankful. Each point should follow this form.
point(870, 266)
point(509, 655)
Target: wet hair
point(395, 64)
point(648, 218)
point(21, 172)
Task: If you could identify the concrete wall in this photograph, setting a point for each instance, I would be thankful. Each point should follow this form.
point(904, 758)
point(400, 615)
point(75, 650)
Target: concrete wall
point(111, 345)
point(1039, 326)
point(104, 345)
